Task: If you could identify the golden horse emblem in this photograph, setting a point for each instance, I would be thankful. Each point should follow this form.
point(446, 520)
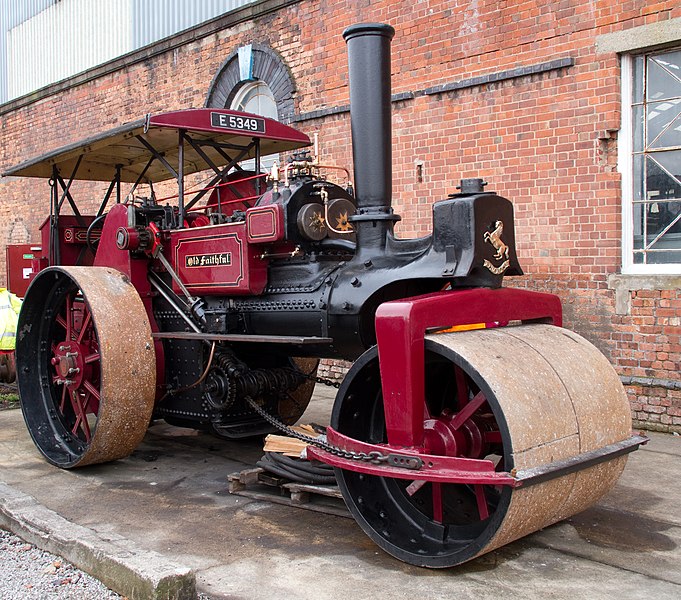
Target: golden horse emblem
point(494, 237)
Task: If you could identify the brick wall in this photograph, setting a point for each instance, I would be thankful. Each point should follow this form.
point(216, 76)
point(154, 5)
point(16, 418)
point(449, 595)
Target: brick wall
point(514, 92)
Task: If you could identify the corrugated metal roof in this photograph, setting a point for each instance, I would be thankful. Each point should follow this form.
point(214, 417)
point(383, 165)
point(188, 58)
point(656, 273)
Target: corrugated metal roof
point(12, 14)
point(44, 41)
point(154, 20)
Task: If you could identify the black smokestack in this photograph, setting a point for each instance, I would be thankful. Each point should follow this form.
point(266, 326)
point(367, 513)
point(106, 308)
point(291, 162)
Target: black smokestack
point(369, 70)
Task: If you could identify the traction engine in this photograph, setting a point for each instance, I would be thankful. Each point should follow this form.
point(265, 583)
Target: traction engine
point(469, 417)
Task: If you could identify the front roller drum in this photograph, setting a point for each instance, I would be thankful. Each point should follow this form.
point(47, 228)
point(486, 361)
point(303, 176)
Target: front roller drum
point(524, 397)
point(86, 365)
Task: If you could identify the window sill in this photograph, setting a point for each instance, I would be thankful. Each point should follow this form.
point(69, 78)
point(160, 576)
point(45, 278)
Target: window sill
point(626, 283)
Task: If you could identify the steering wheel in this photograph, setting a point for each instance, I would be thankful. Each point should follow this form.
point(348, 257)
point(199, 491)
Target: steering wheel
point(93, 244)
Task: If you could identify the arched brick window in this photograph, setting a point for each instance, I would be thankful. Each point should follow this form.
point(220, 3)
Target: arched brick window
point(238, 79)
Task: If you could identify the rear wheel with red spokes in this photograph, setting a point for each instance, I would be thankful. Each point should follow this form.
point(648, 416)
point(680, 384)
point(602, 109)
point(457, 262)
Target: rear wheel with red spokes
point(86, 365)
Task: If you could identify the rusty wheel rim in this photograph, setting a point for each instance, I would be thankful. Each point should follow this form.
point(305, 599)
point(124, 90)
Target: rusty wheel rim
point(86, 365)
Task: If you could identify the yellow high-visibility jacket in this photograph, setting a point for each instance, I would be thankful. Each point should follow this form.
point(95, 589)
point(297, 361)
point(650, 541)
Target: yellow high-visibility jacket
point(10, 306)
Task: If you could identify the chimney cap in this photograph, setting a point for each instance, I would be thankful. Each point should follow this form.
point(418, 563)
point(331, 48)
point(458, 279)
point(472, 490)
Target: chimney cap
point(360, 29)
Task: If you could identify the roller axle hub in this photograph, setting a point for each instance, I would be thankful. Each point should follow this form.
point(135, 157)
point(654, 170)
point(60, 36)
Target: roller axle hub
point(448, 436)
point(69, 363)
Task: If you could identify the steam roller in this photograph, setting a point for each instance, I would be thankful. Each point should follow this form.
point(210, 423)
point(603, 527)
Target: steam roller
point(469, 418)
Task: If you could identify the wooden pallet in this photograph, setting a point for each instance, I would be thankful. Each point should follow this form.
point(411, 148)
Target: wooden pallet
point(258, 484)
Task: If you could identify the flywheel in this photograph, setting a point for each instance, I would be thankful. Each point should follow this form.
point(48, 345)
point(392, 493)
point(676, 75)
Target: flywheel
point(293, 404)
point(86, 365)
point(524, 397)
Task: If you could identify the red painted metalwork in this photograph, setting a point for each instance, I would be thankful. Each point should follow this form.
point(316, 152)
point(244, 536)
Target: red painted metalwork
point(76, 363)
point(465, 433)
point(20, 270)
point(452, 445)
point(156, 238)
point(136, 268)
point(70, 241)
point(265, 224)
point(237, 192)
point(436, 468)
point(203, 119)
point(217, 260)
point(228, 183)
point(400, 329)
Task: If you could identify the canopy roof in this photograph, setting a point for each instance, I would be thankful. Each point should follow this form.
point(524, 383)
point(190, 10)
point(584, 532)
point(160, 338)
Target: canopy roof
point(221, 135)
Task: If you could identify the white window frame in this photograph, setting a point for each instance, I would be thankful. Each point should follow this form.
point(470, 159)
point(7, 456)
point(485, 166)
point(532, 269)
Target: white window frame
point(271, 111)
point(262, 92)
point(625, 167)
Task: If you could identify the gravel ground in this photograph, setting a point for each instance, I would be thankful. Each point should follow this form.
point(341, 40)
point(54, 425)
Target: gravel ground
point(29, 573)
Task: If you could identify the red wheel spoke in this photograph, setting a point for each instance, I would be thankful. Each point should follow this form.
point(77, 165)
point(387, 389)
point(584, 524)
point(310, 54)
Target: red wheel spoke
point(92, 389)
point(90, 358)
point(437, 502)
point(81, 420)
point(86, 402)
point(59, 319)
point(483, 509)
point(69, 318)
point(86, 324)
point(62, 404)
point(468, 411)
point(461, 387)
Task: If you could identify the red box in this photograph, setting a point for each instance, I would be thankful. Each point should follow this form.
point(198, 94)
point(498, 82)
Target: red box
point(18, 260)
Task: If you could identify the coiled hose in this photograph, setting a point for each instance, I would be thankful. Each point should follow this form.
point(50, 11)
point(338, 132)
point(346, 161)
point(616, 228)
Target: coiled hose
point(298, 470)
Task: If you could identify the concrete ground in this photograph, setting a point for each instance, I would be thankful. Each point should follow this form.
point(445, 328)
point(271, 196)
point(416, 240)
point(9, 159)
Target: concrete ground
point(162, 521)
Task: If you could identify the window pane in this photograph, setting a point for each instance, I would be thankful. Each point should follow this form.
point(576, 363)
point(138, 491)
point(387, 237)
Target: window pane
point(663, 175)
point(637, 123)
point(663, 222)
point(639, 183)
point(664, 76)
point(639, 64)
point(663, 258)
point(638, 226)
point(256, 97)
point(664, 124)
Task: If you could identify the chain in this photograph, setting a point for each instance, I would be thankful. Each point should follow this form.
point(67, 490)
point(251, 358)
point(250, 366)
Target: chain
point(329, 382)
point(317, 379)
point(374, 457)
